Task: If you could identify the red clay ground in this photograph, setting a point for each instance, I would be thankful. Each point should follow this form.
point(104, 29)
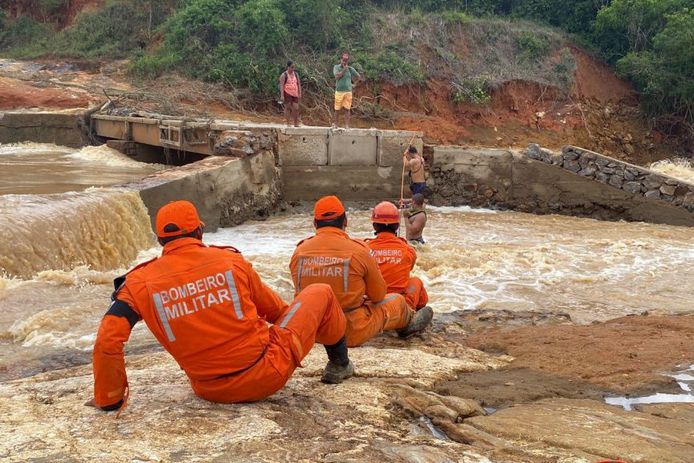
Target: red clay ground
point(626, 355)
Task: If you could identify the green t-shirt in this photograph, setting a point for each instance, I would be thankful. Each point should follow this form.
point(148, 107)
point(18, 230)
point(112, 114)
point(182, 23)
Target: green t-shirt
point(345, 83)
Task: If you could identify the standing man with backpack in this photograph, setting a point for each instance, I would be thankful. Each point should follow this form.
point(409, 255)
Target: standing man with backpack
point(290, 93)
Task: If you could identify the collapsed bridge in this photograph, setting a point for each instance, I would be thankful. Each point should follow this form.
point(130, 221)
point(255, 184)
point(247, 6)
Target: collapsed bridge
point(234, 170)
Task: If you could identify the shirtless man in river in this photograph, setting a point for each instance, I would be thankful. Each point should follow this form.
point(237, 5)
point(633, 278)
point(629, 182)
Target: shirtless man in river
point(414, 163)
point(416, 220)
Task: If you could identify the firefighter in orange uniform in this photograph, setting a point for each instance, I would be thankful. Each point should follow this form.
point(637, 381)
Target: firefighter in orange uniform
point(395, 256)
point(209, 309)
point(332, 257)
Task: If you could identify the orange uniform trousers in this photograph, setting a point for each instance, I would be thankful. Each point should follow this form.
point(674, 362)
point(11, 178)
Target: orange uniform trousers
point(415, 294)
point(372, 318)
point(314, 316)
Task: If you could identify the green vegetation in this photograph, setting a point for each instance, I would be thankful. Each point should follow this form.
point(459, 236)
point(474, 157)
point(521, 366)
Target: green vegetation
point(120, 29)
point(532, 46)
point(244, 44)
point(652, 44)
point(471, 91)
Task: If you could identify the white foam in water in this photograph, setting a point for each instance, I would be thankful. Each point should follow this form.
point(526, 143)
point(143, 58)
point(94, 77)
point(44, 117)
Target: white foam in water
point(29, 149)
point(454, 209)
point(263, 238)
point(677, 167)
point(683, 379)
point(103, 155)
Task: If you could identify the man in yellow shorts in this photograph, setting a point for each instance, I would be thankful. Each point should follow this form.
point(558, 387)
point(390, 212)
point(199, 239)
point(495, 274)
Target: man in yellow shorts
point(344, 76)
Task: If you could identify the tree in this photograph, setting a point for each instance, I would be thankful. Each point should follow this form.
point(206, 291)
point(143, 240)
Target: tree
point(664, 74)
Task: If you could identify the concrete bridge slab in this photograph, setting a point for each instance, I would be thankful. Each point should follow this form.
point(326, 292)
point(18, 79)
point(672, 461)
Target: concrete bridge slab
point(303, 146)
point(358, 183)
point(353, 148)
point(392, 144)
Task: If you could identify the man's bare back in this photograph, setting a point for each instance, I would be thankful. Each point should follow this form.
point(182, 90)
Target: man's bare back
point(416, 167)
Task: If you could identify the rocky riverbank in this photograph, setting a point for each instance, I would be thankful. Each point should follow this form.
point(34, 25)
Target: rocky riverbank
point(541, 383)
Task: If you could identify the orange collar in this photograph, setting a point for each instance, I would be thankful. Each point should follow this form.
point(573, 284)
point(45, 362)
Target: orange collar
point(175, 245)
point(386, 236)
point(331, 231)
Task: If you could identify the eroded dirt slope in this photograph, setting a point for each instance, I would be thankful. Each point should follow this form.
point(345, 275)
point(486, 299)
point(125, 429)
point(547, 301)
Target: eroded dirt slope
point(601, 112)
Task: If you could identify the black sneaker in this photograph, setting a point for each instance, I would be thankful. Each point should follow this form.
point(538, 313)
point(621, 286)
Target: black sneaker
point(419, 321)
point(335, 374)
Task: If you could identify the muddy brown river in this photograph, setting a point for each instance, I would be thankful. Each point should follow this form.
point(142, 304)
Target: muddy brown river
point(473, 259)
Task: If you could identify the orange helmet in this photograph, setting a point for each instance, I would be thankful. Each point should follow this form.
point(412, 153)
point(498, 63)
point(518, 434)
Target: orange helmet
point(386, 213)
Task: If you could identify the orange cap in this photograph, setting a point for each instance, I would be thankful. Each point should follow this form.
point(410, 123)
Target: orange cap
point(328, 208)
point(386, 213)
point(177, 218)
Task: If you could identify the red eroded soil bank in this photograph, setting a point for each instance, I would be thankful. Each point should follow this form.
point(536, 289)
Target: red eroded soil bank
point(600, 113)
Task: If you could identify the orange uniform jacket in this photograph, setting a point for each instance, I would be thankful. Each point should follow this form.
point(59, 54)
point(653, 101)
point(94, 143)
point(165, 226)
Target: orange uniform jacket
point(205, 305)
point(395, 258)
point(332, 257)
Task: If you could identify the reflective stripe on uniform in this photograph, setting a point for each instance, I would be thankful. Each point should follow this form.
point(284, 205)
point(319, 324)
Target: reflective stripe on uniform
point(298, 276)
point(387, 299)
point(291, 313)
point(234, 294)
point(162, 317)
point(345, 276)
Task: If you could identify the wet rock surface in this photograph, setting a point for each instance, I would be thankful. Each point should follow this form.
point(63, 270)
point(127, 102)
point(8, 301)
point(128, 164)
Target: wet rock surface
point(505, 387)
point(593, 430)
point(306, 421)
point(431, 399)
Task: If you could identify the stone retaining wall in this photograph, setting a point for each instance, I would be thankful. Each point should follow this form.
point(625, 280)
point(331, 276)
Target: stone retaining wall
point(576, 182)
point(618, 174)
point(477, 177)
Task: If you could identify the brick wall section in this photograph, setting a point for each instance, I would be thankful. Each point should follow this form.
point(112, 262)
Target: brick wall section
point(618, 174)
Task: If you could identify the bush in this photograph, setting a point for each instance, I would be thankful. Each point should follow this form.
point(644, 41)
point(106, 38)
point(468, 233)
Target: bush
point(454, 17)
point(199, 27)
point(114, 31)
point(317, 24)
point(228, 65)
point(473, 91)
point(118, 30)
point(665, 74)
point(566, 66)
point(532, 46)
point(261, 28)
point(152, 66)
point(391, 64)
point(22, 34)
point(629, 25)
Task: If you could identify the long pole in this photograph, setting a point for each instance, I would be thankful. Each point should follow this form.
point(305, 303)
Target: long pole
point(401, 204)
point(402, 177)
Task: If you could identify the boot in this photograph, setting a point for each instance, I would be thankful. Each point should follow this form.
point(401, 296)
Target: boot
point(335, 374)
point(419, 321)
point(339, 366)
